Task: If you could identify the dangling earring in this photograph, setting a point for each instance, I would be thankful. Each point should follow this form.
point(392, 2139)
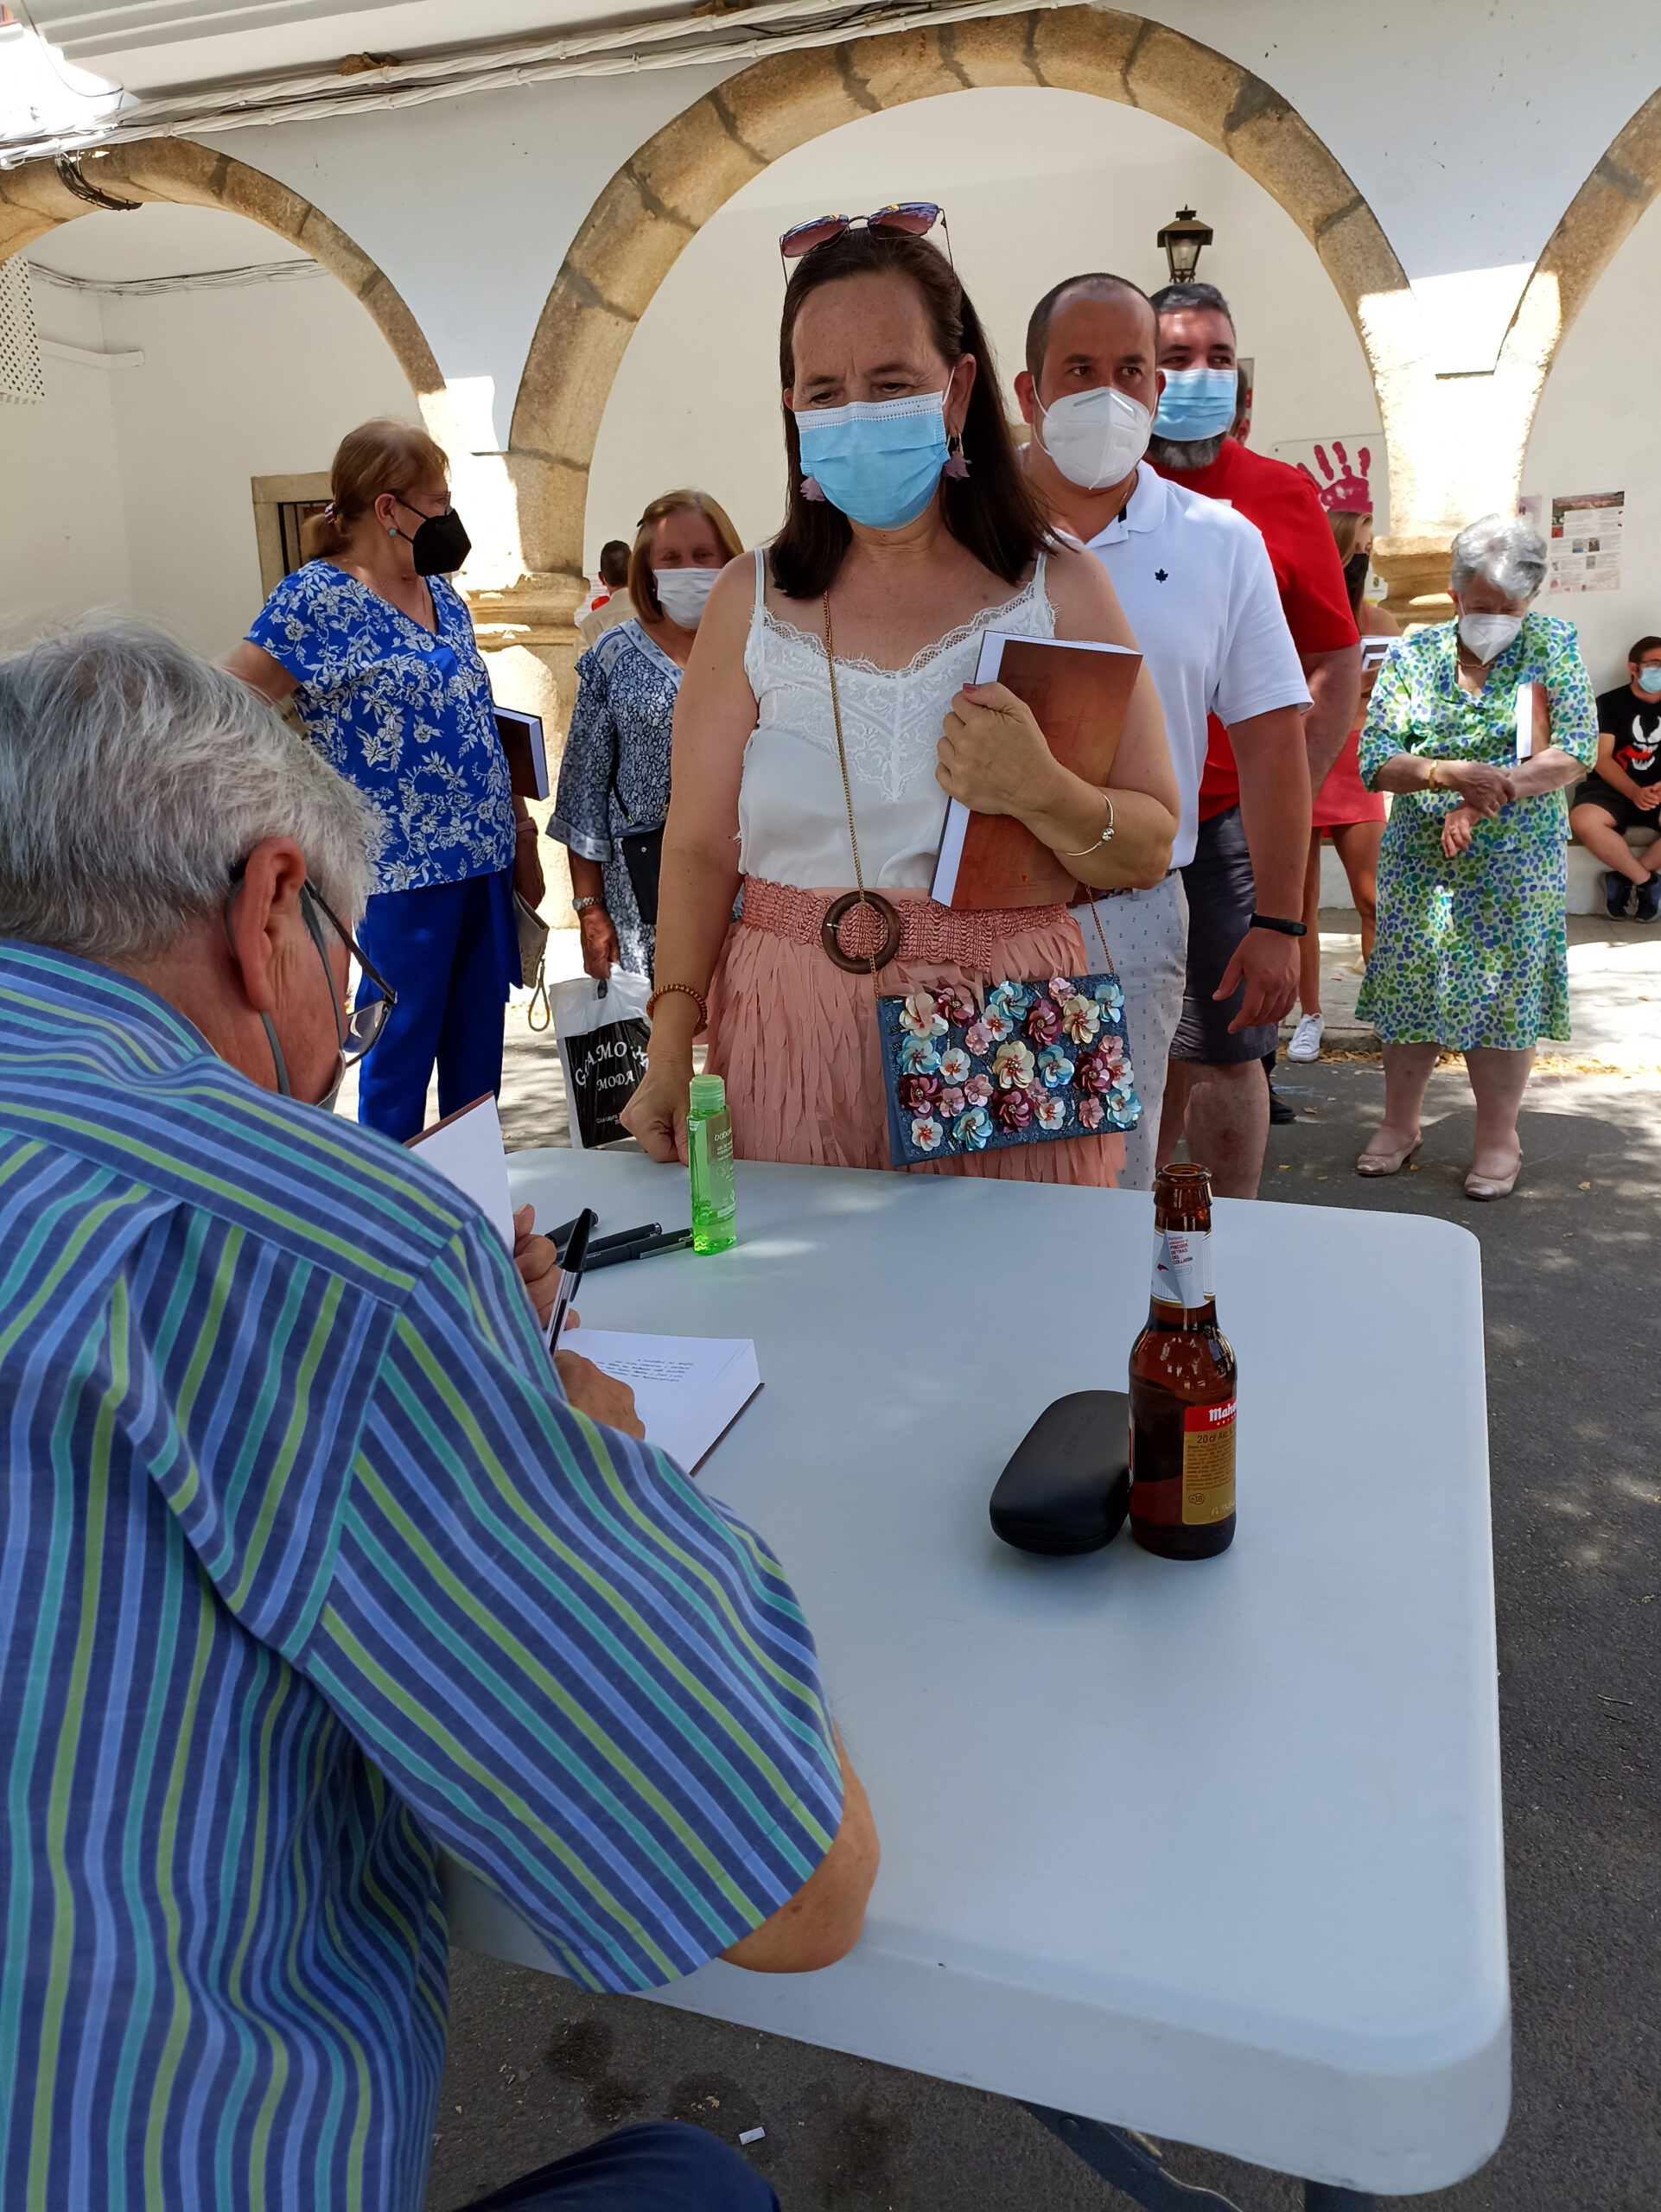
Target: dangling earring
point(956, 464)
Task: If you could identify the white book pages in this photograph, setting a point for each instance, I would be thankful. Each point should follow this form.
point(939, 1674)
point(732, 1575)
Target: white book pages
point(467, 1149)
point(688, 1390)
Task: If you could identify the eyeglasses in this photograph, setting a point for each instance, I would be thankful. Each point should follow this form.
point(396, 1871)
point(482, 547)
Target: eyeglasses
point(422, 511)
point(359, 1025)
point(911, 218)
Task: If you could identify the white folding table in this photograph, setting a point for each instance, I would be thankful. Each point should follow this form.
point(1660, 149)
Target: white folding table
point(1212, 1849)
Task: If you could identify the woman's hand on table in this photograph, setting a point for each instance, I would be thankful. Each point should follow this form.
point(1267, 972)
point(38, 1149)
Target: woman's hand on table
point(1484, 788)
point(590, 1390)
point(601, 951)
point(1456, 827)
point(993, 756)
point(656, 1116)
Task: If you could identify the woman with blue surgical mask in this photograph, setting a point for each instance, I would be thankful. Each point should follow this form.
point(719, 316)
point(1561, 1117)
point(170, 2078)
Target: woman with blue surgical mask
point(613, 774)
point(909, 532)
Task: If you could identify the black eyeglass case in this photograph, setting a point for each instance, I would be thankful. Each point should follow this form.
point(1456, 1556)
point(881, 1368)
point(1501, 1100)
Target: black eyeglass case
point(1067, 1489)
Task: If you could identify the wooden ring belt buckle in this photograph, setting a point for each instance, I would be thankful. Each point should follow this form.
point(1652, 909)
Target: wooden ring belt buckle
point(854, 963)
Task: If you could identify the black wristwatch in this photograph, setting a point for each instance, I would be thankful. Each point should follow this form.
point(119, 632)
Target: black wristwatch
point(1274, 922)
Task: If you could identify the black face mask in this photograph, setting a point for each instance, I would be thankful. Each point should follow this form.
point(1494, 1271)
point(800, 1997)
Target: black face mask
point(1355, 572)
point(440, 545)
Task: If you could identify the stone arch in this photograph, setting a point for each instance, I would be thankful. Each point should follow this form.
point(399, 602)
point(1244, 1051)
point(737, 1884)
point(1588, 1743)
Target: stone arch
point(661, 197)
point(34, 200)
point(1463, 439)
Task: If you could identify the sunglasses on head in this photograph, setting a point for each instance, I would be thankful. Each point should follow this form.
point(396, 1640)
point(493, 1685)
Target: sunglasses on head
point(912, 218)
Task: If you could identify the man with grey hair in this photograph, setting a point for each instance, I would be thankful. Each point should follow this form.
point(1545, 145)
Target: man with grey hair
point(310, 1566)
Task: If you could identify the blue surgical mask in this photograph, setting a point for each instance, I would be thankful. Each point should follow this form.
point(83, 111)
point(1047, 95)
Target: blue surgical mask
point(1650, 679)
point(878, 461)
point(1196, 403)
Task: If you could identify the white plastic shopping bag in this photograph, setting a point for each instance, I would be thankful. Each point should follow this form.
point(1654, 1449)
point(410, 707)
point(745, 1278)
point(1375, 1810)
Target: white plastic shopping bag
point(602, 1031)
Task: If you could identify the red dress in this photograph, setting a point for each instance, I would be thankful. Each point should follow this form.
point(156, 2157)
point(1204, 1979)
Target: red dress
point(1344, 797)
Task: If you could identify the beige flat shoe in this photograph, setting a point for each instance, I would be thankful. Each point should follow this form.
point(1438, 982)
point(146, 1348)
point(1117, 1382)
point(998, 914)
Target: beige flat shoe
point(1492, 1186)
point(1387, 1163)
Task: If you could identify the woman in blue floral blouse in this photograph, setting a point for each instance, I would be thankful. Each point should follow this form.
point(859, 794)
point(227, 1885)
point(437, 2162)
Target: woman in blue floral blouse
point(1471, 953)
point(375, 647)
point(613, 774)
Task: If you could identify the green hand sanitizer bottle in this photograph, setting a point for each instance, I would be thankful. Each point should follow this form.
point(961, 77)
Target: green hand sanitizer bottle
point(710, 1149)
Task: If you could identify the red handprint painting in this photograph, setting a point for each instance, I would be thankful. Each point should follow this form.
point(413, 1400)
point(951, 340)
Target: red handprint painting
point(1341, 485)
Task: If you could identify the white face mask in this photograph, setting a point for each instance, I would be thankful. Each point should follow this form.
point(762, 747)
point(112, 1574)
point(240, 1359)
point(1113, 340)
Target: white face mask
point(682, 594)
point(1488, 635)
point(1095, 438)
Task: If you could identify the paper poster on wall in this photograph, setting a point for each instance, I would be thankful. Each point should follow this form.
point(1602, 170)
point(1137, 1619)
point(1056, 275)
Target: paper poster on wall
point(1348, 473)
point(1583, 532)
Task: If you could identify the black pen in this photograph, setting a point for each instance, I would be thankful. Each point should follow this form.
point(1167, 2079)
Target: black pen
point(561, 1237)
point(599, 1244)
point(575, 1252)
point(677, 1240)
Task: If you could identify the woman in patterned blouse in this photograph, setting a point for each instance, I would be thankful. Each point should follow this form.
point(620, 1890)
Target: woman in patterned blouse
point(375, 647)
point(1476, 725)
point(614, 776)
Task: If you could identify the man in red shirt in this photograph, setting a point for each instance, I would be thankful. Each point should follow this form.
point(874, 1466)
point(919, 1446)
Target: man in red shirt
point(1216, 1088)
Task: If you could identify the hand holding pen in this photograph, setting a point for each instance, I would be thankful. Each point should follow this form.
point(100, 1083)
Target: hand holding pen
point(575, 1259)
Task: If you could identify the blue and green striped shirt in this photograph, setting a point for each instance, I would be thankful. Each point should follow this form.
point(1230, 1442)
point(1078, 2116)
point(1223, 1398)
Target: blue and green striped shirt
point(308, 1569)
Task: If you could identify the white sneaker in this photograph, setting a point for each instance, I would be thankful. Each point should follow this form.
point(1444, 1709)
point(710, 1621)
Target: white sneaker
point(1305, 1044)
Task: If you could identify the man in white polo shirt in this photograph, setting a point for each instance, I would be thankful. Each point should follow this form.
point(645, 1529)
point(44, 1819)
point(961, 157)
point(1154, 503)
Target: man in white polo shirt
point(1197, 587)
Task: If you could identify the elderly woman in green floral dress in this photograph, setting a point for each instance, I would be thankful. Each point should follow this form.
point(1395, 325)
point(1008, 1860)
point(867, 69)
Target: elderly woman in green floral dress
point(1471, 955)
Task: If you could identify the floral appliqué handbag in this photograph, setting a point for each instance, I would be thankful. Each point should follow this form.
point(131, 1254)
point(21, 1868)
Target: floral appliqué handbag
point(1026, 1063)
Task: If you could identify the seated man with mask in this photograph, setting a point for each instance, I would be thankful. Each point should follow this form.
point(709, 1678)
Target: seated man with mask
point(311, 1566)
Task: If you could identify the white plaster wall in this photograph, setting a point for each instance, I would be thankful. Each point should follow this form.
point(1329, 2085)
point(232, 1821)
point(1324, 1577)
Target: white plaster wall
point(469, 204)
point(1037, 186)
point(131, 486)
point(64, 545)
point(1598, 430)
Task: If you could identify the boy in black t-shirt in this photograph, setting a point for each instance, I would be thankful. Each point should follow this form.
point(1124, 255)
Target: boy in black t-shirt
point(1624, 792)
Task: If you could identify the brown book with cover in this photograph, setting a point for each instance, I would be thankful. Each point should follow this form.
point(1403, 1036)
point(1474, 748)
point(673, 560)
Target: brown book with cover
point(1078, 694)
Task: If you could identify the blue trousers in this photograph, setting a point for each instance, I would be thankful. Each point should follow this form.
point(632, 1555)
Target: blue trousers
point(450, 953)
point(660, 2167)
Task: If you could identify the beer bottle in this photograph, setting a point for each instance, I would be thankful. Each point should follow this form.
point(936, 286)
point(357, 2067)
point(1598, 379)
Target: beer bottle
point(1182, 1379)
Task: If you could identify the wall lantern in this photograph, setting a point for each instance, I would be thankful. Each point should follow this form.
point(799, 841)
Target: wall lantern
point(1182, 239)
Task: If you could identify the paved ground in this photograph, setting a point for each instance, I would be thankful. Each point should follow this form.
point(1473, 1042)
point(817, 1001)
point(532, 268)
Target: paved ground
point(537, 2068)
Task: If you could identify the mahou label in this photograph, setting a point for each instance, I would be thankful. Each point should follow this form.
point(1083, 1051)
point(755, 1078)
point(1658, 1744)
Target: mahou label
point(1208, 1463)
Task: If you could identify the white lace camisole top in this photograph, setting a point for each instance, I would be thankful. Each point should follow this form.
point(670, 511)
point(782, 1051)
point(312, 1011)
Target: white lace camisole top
point(792, 820)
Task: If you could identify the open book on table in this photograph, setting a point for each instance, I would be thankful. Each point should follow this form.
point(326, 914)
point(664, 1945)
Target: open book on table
point(688, 1390)
point(1079, 691)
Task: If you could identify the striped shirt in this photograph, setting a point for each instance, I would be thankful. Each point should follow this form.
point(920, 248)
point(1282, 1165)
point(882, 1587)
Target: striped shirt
point(309, 1569)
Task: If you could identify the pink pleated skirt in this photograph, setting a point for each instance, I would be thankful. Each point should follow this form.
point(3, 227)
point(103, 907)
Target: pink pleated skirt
point(795, 1036)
